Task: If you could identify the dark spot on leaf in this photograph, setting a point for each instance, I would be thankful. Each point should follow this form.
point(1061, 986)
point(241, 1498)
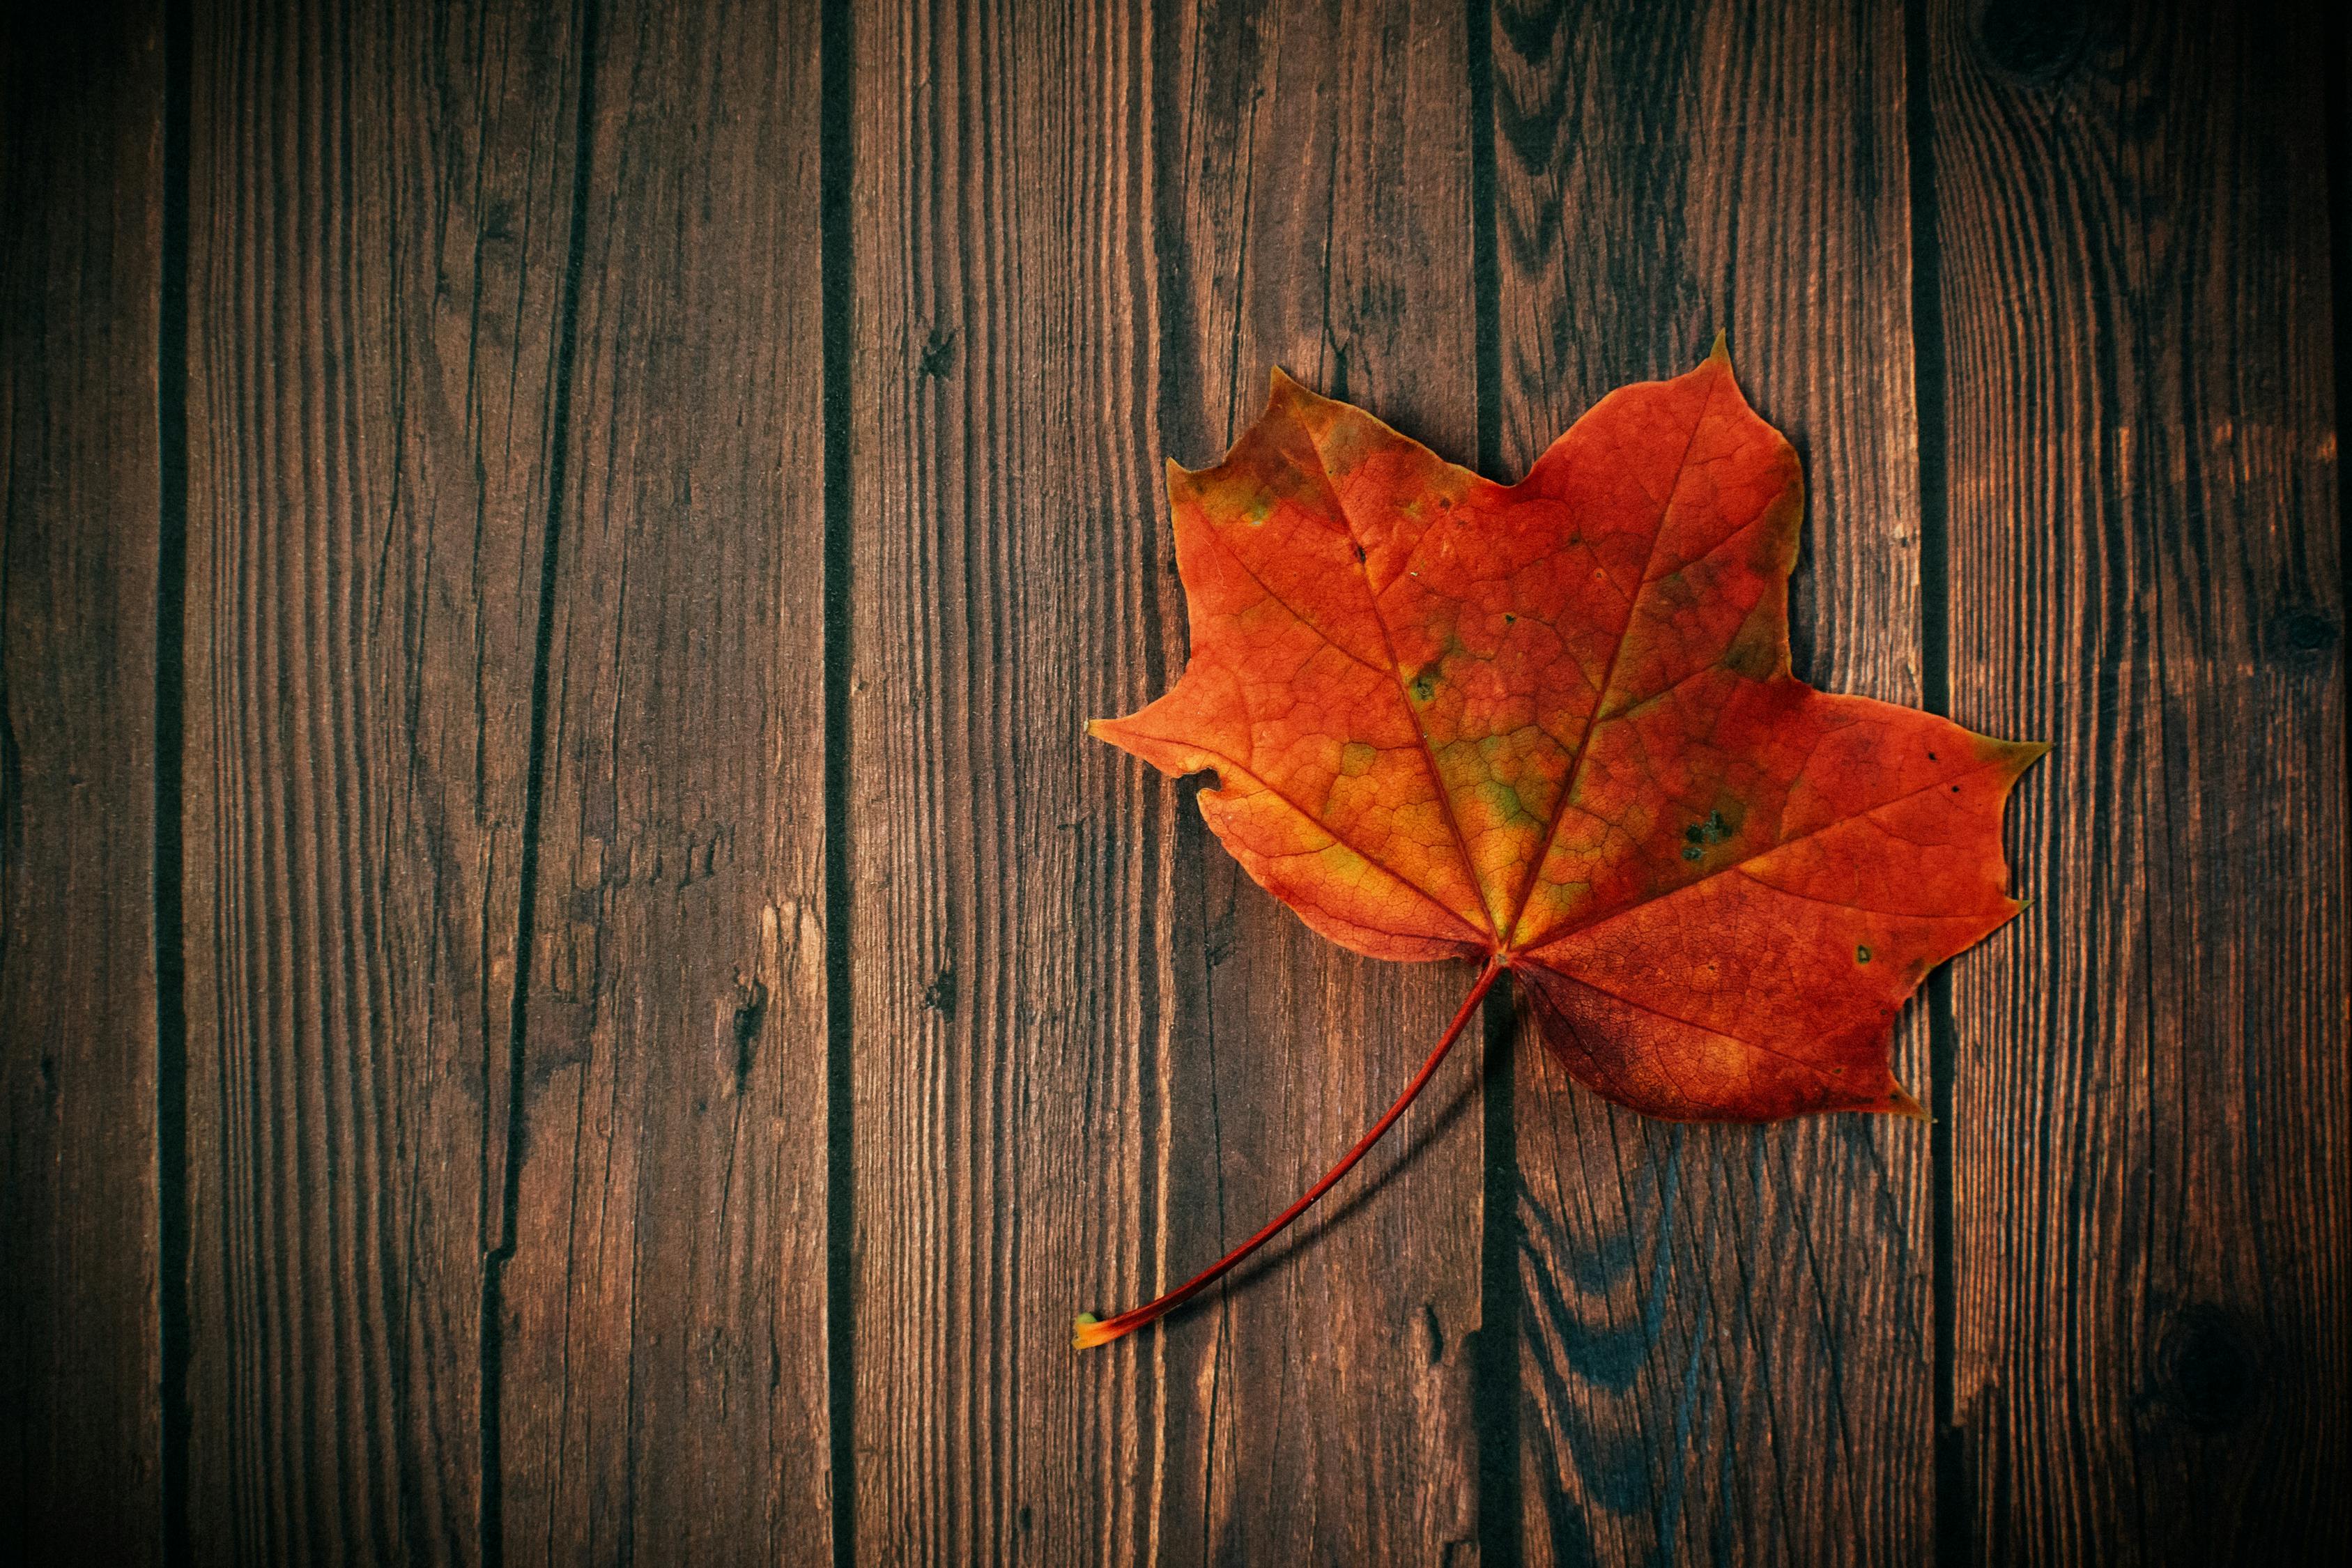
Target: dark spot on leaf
point(1712, 830)
point(1693, 852)
point(939, 996)
point(1359, 553)
point(1931, 756)
point(1861, 955)
point(1423, 689)
point(1509, 619)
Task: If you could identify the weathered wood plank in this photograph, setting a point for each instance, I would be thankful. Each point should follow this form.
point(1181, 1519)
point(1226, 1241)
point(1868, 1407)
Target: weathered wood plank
point(379, 210)
point(81, 180)
point(1018, 961)
point(1041, 1105)
point(2152, 1145)
point(1726, 1332)
point(662, 1355)
point(1313, 166)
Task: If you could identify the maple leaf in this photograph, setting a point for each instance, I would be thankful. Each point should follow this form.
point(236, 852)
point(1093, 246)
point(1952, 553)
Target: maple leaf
point(1550, 727)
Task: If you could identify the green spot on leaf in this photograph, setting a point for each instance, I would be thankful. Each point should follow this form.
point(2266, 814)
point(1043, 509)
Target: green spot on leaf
point(1861, 955)
point(1713, 830)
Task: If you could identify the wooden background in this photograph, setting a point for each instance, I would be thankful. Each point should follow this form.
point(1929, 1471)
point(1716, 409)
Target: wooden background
point(572, 992)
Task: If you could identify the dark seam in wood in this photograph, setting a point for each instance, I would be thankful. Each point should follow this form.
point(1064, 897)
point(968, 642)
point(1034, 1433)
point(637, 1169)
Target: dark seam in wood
point(174, 1226)
point(836, 149)
point(491, 1516)
point(1493, 1372)
point(2338, 100)
point(1948, 1505)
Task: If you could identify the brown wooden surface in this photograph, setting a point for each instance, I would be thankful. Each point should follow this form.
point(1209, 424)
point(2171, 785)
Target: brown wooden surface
point(1663, 173)
point(378, 213)
point(1314, 192)
point(676, 1017)
point(82, 122)
point(662, 1338)
point(2152, 1168)
point(1010, 951)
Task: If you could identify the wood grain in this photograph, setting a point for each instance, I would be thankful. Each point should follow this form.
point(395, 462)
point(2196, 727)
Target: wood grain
point(1726, 1332)
point(2152, 1145)
point(82, 113)
point(1043, 1111)
point(1016, 952)
point(517, 1193)
point(379, 209)
point(1315, 200)
point(663, 1354)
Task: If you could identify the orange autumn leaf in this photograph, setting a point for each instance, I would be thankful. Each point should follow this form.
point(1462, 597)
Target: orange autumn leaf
point(1550, 727)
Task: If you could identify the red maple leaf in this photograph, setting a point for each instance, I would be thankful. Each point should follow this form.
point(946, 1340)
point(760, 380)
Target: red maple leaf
point(1549, 727)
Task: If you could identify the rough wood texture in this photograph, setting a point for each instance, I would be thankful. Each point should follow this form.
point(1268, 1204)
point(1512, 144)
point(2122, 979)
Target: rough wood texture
point(2153, 1148)
point(1314, 201)
point(663, 1348)
point(1727, 1331)
point(1018, 958)
point(379, 207)
point(1045, 1117)
point(545, 1198)
point(81, 111)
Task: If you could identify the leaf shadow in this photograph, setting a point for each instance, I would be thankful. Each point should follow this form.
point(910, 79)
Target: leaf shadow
point(1310, 1229)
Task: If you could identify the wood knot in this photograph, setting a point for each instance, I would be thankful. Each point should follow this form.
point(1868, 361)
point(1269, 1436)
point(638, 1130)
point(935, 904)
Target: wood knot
point(2036, 42)
point(2208, 1374)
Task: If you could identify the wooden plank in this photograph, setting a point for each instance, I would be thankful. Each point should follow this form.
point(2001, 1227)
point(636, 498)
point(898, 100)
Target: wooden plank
point(1049, 951)
point(2152, 1147)
point(1315, 174)
point(664, 1355)
point(1726, 1332)
point(379, 212)
point(1017, 970)
point(81, 179)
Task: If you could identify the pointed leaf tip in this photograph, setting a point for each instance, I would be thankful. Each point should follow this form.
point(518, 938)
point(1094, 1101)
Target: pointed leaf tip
point(1722, 349)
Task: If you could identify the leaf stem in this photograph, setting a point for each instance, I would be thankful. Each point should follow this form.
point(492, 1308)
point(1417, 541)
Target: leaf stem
point(1093, 1331)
